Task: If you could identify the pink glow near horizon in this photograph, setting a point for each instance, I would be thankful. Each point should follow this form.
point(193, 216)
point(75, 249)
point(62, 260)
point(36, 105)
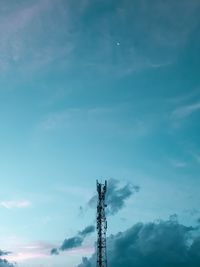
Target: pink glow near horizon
point(23, 256)
point(39, 253)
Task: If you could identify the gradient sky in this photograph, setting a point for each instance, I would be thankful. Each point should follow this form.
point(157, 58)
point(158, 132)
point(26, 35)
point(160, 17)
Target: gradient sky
point(93, 90)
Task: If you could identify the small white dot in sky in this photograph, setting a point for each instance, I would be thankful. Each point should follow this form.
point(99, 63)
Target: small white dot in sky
point(118, 43)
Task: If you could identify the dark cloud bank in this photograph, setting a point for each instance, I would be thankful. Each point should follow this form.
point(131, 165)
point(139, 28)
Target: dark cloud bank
point(3, 262)
point(75, 241)
point(115, 199)
point(158, 244)
point(3, 252)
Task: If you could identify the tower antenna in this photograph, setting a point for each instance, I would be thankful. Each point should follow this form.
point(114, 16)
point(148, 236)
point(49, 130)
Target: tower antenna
point(101, 225)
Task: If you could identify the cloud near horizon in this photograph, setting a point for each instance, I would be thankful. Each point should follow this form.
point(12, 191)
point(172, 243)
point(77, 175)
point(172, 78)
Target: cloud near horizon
point(162, 243)
point(10, 204)
point(3, 252)
point(5, 263)
point(75, 241)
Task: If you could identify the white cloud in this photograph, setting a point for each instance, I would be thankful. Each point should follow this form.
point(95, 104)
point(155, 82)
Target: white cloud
point(10, 204)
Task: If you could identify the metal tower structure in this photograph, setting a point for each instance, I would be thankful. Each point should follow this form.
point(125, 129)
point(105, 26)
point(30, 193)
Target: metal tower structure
point(101, 225)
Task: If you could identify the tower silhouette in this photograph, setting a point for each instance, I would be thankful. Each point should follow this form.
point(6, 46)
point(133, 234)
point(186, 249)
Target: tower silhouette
point(101, 225)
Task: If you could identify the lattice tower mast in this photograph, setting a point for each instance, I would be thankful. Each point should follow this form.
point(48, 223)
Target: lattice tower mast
point(101, 225)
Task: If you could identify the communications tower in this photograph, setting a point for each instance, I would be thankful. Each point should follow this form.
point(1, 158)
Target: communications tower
point(101, 225)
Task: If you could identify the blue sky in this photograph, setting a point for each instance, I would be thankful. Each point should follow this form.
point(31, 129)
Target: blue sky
point(93, 90)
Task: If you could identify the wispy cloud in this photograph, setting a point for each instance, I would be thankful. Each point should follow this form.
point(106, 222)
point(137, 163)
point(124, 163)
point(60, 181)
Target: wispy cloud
point(188, 97)
point(68, 116)
point(178, 163)
point(27, 251)
point(14, 25)
point(186, 110)
point(24, 256)
point(170, 27)
point(107, 120)
point(171, 24)
point(22, 28)
point(11, 204)
point(20, 17)
point(196, 157)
